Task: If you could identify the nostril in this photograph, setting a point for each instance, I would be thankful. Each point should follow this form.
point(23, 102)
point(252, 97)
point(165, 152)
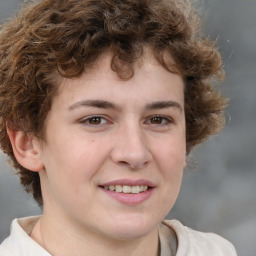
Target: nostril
point(132, 158)
point(133, 166)
point(123, 163)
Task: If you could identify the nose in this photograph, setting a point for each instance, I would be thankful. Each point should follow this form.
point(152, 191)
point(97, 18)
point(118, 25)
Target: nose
point(130, 148)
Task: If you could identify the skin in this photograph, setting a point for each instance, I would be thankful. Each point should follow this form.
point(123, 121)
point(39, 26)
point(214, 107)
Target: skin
point(88, 145)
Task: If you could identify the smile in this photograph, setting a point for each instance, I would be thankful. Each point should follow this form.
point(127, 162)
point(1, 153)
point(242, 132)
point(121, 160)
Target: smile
point(127, 189)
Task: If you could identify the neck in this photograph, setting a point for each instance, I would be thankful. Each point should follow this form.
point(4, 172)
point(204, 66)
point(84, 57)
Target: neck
point(65, 241)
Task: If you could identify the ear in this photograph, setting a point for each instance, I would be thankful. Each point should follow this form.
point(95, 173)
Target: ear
point(185, 164)
point(27, 150)
point(190, 162)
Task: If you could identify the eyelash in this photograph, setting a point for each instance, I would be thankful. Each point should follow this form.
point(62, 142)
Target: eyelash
point(167, 120)
point(164, 120)
point(86, 121)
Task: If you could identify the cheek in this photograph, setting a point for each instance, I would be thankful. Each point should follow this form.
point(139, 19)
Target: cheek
point(172, 153)
point(78, 164)
point(171, 161)
point(171, 164)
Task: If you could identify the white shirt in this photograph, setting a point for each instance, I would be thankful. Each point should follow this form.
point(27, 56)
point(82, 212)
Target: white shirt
point(190, 242)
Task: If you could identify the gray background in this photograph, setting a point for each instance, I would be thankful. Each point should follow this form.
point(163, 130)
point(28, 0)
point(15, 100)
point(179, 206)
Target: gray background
point(220, 194)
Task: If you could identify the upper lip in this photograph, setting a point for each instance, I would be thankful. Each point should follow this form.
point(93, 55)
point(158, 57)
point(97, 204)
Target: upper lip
point(129, 182)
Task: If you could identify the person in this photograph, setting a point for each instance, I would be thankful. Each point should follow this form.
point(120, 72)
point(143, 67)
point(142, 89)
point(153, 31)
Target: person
point(100, 103)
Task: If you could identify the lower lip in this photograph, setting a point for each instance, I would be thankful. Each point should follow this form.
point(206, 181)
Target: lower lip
point(130, 199)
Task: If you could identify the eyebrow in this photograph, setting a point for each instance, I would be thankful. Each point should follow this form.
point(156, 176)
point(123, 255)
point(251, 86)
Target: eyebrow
point(163, 104)
point(94, 103)
point(109, 105)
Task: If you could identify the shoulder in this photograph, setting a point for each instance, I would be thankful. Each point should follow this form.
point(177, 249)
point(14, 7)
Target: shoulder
point(195, 243)
point(19, 243)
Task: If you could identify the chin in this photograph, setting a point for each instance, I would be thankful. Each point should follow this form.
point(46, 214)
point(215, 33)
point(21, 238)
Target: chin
point(129, 234)
point(132, 228)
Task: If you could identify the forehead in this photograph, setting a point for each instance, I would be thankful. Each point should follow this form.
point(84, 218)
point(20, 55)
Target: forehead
point(108, 64)
point(150, 81)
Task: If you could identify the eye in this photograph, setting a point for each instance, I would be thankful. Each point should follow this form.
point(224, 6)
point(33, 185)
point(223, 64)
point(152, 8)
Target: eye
point(94, 120)
point(159, 120)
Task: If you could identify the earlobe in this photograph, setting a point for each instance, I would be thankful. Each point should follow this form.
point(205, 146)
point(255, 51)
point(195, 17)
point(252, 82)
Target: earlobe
point(26, 149)
point(190, 163)
point(185, 164)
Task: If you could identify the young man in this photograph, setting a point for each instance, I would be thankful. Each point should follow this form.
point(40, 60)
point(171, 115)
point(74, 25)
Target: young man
point(100, 102)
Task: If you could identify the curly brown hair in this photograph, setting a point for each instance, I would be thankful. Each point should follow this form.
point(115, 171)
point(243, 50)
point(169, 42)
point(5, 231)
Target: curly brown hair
point(56, 38)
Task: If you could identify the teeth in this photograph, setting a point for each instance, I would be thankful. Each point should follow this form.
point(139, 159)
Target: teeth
point(112, 188)
point(127, 189)
point(118, 188)
point(135, 189)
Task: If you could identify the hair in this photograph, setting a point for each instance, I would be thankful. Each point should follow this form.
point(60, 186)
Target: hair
point(55, 39)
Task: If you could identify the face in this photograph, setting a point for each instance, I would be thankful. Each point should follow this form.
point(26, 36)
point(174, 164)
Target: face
point(115, 150)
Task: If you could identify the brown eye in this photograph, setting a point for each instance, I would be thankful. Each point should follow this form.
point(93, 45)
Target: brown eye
point(157, 120)
point(96, 120)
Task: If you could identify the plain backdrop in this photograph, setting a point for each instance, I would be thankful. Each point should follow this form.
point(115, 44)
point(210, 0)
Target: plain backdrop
point(220, 194)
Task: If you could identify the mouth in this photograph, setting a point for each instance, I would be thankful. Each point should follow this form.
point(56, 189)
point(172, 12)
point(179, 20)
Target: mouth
point(129, 192)
point(127, 189)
